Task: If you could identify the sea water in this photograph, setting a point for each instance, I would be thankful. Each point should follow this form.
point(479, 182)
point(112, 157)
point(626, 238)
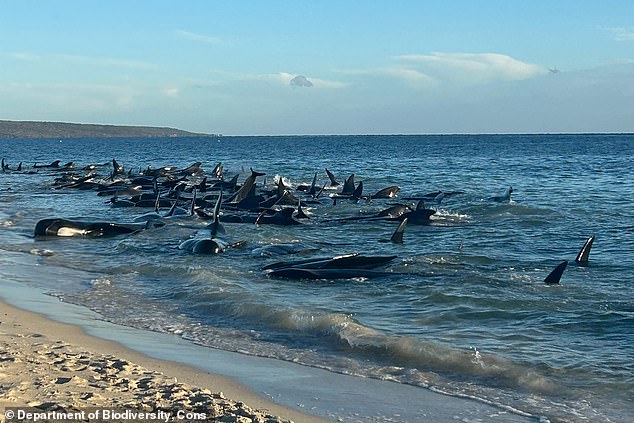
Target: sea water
point(466, 311)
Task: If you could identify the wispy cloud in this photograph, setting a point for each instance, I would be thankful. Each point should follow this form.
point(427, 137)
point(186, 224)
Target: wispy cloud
point(77, 59)
point(620, 33)
point(105, 61)
point(471, 67)
point(25, 56)
point(201, 38)
point(171, 92)
point(76, 97)
point(426, 71)
point(408, 75)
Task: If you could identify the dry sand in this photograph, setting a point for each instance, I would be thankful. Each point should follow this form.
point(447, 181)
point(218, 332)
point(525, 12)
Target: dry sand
point(55, 367)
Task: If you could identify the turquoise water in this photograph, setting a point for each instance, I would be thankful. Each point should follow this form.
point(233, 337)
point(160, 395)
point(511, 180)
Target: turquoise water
point(466, 311)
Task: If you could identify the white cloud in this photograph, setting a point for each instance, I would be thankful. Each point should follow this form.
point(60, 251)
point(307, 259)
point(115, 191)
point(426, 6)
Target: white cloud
point(471, 67)
point(411, 76)
point(621, 33)
point(77, 59)
point(73, 97)
point(206, 39)
point(25, 56)
point(171, 92)
point(285, 78)
point(104, 61)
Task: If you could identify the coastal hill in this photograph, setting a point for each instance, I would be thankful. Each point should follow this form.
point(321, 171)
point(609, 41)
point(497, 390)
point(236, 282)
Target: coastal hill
point(32, 129)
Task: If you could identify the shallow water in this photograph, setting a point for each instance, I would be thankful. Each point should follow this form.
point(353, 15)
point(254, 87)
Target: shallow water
point(466, 312)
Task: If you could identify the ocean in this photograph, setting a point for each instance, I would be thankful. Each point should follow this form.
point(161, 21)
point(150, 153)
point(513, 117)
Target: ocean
point(466, 311)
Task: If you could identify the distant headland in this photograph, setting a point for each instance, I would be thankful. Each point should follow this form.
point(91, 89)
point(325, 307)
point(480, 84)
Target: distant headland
point(33, 129)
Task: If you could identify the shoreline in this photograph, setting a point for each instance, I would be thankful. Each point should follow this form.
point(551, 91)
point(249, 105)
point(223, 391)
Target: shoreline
point(282, 389)
point(53, 366)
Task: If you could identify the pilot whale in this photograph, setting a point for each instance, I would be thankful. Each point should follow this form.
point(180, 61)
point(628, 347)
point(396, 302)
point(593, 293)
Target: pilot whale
point(56, 227)
point(207, 242)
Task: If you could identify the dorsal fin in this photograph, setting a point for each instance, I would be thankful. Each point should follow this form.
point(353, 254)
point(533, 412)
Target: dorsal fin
point(397, 236)
point(281, 188)
point(420, 205)
point(256, 174)
point(584, 253)
point(320, 191)
point(172, 209)
point(217, 172)
point(193, 206)
point(358, 191)
point(348, 186)
point(203, 185)
point(215, 225)
point(158, 201)
point(333, 181)
point(554, 276)
point(312, 190)
point(300, 212)
point(217, 206)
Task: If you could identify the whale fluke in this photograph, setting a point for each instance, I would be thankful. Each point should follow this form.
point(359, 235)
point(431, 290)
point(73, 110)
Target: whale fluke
point(300, 212)
point(554, 276)
point(358, 192)
point(313, 190)
point(584, 253)
point(248, 187)
point(333, 181)
point(218, 172)
point(348, 186)
point(215, 226)
point(397, 236)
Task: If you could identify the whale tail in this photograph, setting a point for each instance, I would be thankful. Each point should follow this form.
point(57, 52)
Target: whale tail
point(313, 188)
point(348, 186)
point(554, 277)
point(192, 208)
point(333, 181)
point(584, 253)
point(397, 236)
point(218, 172)
point(358, 192)
point(300, 212)
point(215, 226)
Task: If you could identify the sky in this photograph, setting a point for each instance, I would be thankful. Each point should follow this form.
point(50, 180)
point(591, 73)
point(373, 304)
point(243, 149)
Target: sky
point(321, 67)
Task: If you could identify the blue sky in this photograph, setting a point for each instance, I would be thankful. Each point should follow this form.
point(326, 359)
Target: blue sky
point(322, 67)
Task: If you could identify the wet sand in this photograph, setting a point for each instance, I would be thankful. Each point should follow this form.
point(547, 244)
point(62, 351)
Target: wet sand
point(51, 366)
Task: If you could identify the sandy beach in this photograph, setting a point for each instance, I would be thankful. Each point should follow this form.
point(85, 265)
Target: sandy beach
point(50, 366)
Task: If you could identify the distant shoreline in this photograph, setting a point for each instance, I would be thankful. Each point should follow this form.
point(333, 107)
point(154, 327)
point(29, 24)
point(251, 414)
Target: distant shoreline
point(36, 129)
